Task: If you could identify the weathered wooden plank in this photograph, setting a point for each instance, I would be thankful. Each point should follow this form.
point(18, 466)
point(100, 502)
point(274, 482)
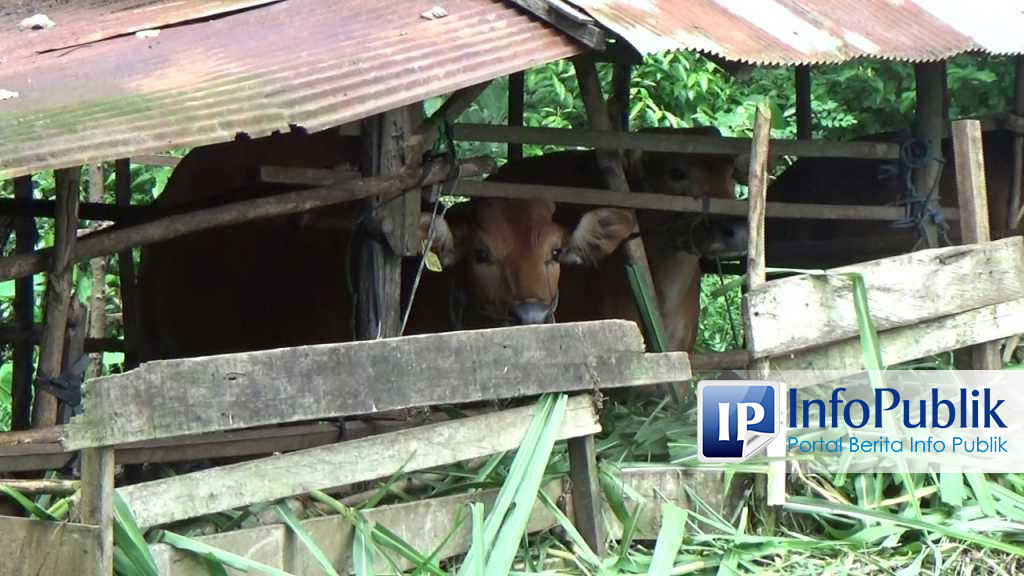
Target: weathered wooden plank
point(424, 524)
point(973, 201)
point(264, 544)
point(33, 547)
point(196, 395)
point(903, 344)
point(586, 492)
point(668, 142)
point(276, 477)
point(657, 485)
point(51, 455)
point(96, 507)
point(156, 160)
point(801, 312)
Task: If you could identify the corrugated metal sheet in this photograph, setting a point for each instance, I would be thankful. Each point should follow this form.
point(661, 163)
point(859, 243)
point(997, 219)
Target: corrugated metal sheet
point(97, 91)
point(816, 31)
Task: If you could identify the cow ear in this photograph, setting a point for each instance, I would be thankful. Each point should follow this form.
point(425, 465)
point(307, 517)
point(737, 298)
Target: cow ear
point(598, 234)
point(446, 242)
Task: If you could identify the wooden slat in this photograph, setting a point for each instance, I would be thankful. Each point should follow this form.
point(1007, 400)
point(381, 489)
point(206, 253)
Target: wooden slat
point(802, 312)
point(424, 524)
point(192, 396)
point(96, 507)
point(903, 344)
point(668, 142)
point(685, 204)
point(267, 479)
point(34, 547)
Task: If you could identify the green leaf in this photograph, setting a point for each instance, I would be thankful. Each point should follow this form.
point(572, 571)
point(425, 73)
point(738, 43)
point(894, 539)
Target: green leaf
point(670, 538)
point(304, 536)
point(224, 557)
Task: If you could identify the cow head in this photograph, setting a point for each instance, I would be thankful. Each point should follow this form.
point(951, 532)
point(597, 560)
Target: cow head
point(510, 254)
point(698, 176)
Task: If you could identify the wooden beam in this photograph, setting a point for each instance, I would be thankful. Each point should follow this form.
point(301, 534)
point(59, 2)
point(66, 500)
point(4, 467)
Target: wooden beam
point(23, 355)
point(37, 487)
point(196, 395)
point(667, 142)
point(1017, 160)
point(426, 130)
point(567, 19)
point(432, 524)
point(687, 204)
point(130, 310)
point(156, 160)
point(586, 493)
point(96, 507)
point(756, 276)
point(931, 117)
point(972, 194)
point(959, 278)
point(34, 547)
point(213, 490)
point(98, 270)
point(258, 442)
point(803, 102)
point(58, 293)
point(903, 344)
point(110, 241)
point(516, 107)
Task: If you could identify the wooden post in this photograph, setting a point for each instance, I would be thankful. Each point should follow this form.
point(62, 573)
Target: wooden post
point(929, 125)
point(516, 105)
point(586, 492)
point(24, 317)
point(98, 267)
point(758, 187)
point(620, 90)
point(58, 292)
point(803, 102)
point(97, 505)
point(380, 287)
point(615, 177)
point(1017, 176)
point(126, 270)
point(974, 225)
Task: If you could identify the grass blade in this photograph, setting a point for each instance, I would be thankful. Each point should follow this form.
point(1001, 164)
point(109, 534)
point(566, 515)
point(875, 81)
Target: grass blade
point(224, 557)
point(670, 538)
point(36, 511)
point(129, 538)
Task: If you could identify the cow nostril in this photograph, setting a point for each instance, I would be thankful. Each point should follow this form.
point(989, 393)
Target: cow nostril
point(531, 312)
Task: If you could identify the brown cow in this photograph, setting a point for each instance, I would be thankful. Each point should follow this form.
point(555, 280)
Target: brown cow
point(278, 282)
point(514, 287)
point(830, 243)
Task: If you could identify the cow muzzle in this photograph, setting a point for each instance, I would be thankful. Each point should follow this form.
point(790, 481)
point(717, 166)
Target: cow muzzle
point(533, 312)
point(721, 238)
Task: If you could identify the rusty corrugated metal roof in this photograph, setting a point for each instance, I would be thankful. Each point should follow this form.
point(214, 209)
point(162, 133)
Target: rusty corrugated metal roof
point(89, 89)
point(816, 31)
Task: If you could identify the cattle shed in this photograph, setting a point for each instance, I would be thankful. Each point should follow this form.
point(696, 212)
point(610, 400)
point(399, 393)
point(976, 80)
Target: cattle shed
point(126, 81)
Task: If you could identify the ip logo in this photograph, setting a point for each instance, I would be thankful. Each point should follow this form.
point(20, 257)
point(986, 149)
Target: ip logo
point(736, 419)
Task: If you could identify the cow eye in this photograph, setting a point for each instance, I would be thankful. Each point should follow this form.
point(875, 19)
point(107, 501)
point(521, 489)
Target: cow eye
point(677, 173)
point(556, 255)
point(482, 256)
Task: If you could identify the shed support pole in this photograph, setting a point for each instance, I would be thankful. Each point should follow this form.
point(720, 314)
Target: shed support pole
point(58, 292)
point(380, 288)
point(1017, 176)
point(620, 95)
point(929, 125)
point(24, 316)
point(803, 102)
point(126, 270)
point(516, 106)
point(972, 195)
point(97, 504)
point(98, 270)
point(775, 490)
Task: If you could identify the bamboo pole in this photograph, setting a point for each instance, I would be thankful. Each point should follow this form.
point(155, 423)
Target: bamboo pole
point(39, 487)
point(58, 293)
point(98, 267)
point(930, 123)
point(111, 241)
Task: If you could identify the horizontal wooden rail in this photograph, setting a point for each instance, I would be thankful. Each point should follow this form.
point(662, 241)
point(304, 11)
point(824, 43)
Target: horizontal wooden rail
point(668, 142)
point(115, 240)
point(273, 478)
point(234, 391)
point(687, 204)
point(902, 290)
